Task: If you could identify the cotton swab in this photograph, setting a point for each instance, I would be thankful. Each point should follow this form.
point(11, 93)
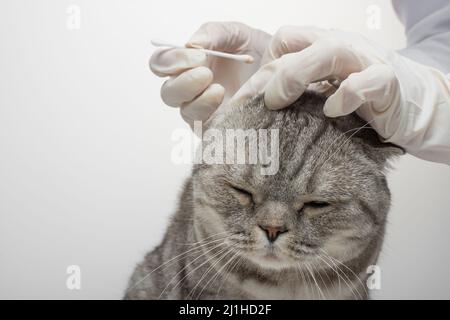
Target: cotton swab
point(238, 57)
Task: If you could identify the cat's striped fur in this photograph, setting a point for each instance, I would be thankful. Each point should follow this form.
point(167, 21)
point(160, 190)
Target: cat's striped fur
point(215, 248)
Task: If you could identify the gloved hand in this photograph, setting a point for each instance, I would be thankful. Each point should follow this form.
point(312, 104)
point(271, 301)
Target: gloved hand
point(407, 103)
point(198, 83)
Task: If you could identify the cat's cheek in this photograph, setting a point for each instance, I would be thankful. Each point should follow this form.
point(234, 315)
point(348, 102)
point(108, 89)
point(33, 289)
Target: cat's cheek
point(341, 246)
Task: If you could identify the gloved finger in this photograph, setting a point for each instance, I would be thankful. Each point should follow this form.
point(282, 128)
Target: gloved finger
point(325, 59)
point(255, 85)
point(170, 62)
point(377, 85)
point(201, 108)
point(290, 39)
point(186, 86)
point(233, 37)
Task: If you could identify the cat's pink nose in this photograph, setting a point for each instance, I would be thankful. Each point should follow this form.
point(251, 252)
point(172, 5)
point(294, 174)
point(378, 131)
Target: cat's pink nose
point(272, 232)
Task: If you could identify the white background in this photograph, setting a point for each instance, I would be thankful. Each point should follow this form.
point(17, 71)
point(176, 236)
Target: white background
point(85, 142)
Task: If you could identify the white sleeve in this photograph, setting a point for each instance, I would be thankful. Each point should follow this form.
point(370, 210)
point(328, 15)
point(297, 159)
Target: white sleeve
point(427, 28)
point(424, 128)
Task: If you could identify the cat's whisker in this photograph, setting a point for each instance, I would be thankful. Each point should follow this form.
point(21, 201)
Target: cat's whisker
point(310, 284)
point(345, 274)
point(326, 273)
point(332, 267)
point(349, 283)
point(311, 272)
point(196, 268)
point(172, 260)
point(223, 233)
point(211, 267)
point(321, 278)
point(232, 262)
point(217, 273)
point(199, 248)
point(305, 281)
point(349, 269)
point(352, 289)
point(238, 260)
point(302, 280)
point(205, 253)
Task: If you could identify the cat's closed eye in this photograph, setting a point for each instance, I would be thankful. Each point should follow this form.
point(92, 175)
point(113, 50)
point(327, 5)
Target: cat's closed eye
point(245, 197)
point(313, 208)
point(317, 204)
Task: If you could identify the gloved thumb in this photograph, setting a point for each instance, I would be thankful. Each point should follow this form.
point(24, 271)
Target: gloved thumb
point(376, 85)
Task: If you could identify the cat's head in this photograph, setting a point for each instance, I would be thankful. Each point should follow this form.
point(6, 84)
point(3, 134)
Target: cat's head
point(327, 195)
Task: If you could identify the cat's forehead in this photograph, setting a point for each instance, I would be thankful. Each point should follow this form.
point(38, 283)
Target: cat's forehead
point(316, 162)
point(310, 173)
point(313, 152)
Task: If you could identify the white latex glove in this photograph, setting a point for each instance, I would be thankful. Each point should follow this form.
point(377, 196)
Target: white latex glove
point(199, 83)
point(407, 103)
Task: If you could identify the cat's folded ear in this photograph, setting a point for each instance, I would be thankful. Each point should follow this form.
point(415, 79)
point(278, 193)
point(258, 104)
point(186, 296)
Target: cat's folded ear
point(373, 144)
point(382, 152)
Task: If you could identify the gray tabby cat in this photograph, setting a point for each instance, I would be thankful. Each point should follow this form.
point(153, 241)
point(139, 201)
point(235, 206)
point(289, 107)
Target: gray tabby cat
point(308, 232)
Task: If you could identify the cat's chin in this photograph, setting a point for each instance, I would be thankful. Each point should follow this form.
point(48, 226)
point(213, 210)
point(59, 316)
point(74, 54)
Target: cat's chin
point(276, 261)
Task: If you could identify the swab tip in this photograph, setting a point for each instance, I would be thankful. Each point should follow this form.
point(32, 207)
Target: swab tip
point(193, 46)
point(248, 59)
